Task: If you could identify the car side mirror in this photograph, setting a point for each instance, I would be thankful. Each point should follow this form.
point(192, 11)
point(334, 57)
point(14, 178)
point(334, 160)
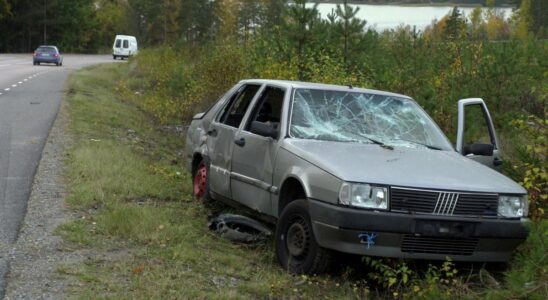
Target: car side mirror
point(263, 129)
point(198, 116)
point(479, 149)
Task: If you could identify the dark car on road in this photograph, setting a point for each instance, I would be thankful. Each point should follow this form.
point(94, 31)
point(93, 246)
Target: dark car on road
point(47, 54)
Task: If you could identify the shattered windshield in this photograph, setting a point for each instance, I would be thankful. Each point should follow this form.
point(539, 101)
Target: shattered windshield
point(361, 117)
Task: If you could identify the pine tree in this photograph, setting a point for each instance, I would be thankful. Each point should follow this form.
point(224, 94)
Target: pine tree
point(455, 26)
point(5, 9)
point(299, 27)
point(199, 19)
point(349, 27)
point(273, 14)
point(249, 13)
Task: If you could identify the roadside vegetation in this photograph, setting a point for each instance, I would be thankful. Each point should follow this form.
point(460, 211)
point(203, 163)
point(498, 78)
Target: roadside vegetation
point(133, 197)
point(150, 238)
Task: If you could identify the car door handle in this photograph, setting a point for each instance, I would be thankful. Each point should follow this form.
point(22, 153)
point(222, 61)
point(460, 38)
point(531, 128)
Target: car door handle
point(240, 142)
point(212, 132)
point(497, 162)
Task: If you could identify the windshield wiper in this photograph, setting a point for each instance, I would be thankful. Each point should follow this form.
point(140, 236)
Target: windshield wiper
point(374, 141)
point(422, 144)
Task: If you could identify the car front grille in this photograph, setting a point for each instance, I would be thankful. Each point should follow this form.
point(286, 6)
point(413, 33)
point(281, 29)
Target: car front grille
point(443, 202)
point(438, 245)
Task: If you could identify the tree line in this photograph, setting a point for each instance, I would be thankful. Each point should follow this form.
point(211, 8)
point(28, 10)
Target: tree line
point(89, 25)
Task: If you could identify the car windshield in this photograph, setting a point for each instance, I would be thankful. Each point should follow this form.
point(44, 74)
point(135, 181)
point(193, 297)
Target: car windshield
point(362, 117)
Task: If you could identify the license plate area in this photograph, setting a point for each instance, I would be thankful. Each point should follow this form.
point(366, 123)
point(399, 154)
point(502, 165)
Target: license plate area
point(444, 228)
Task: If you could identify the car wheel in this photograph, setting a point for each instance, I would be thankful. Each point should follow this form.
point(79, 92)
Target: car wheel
point(296, 247)
point(57, 64)
point(200, 182)
point(114, 57)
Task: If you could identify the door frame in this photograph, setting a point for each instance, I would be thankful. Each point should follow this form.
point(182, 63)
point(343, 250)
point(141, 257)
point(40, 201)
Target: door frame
point(461, 123)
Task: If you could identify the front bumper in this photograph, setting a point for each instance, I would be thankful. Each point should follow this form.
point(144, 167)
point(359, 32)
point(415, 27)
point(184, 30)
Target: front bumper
point(417, 236)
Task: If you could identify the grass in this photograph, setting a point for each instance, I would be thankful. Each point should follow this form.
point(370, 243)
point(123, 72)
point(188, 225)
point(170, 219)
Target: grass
point(150, 240)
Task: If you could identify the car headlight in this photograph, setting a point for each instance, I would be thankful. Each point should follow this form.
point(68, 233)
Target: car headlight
point(513, 206)
point(363, 195)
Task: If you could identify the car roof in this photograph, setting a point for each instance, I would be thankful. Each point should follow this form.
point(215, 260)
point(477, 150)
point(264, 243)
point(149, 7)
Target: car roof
point(47, 46)
point(322, 86)
point(118, 36)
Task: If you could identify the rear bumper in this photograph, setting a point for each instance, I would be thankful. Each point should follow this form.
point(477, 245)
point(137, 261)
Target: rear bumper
point(399, 235)
point(46, 59)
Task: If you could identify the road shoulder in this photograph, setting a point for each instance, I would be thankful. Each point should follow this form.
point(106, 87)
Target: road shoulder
point(38, 251)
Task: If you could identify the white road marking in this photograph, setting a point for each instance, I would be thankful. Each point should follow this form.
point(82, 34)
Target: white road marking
point(6, 89)
point(25, 79)
point(20, 82)
point(14, 85)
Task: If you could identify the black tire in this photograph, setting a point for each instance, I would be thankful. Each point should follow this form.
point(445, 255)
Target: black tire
point(296, 248)
point(206, 195)
point(114, 57)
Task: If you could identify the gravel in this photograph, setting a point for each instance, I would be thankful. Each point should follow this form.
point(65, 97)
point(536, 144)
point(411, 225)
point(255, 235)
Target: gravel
point(33, 259)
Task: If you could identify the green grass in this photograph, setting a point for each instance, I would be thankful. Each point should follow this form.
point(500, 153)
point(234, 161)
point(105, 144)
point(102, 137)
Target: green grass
point(150, 238)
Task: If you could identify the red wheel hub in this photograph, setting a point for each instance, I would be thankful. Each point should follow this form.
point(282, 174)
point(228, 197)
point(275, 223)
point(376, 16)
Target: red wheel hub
point(200, 182)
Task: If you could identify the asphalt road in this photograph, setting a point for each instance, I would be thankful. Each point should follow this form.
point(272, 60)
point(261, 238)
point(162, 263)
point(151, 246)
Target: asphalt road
point(29, 100)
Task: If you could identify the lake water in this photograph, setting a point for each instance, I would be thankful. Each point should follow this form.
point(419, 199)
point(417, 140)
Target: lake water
point(383, 17)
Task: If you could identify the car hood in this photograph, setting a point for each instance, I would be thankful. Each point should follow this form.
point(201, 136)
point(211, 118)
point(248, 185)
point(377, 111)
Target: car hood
point(402, 166)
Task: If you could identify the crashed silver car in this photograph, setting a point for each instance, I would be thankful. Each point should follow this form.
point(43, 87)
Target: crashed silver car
point(359, 171)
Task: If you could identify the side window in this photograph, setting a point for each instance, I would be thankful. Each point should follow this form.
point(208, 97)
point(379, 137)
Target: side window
point(126, 44)
point(269, 107)
point(237, 106)
point(476, 130)
point(118, 43)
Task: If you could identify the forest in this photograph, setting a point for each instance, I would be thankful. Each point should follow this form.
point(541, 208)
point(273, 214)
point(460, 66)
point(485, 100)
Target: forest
point(88, 26)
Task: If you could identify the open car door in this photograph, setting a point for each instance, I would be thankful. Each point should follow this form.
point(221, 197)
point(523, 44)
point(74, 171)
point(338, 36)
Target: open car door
point(476, 137)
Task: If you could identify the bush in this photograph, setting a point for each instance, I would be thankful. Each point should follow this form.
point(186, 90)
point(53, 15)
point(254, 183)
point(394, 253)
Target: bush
point(530, 167)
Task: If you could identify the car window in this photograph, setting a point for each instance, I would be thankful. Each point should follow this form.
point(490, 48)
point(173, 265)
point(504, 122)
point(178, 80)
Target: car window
point(235, 110)
point(126, 44)
point(269, 107)
point(476, 129)
point(118, 43)
point(46, 50)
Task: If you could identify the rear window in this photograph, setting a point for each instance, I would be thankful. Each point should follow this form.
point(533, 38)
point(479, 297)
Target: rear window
point(126, 44)
point(118, 43)
point(46, 50)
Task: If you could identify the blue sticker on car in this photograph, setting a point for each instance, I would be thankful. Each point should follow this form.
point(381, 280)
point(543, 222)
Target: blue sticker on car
point(368, 238)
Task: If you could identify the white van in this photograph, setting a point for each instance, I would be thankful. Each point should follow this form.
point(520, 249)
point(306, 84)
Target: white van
point(124, 46)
